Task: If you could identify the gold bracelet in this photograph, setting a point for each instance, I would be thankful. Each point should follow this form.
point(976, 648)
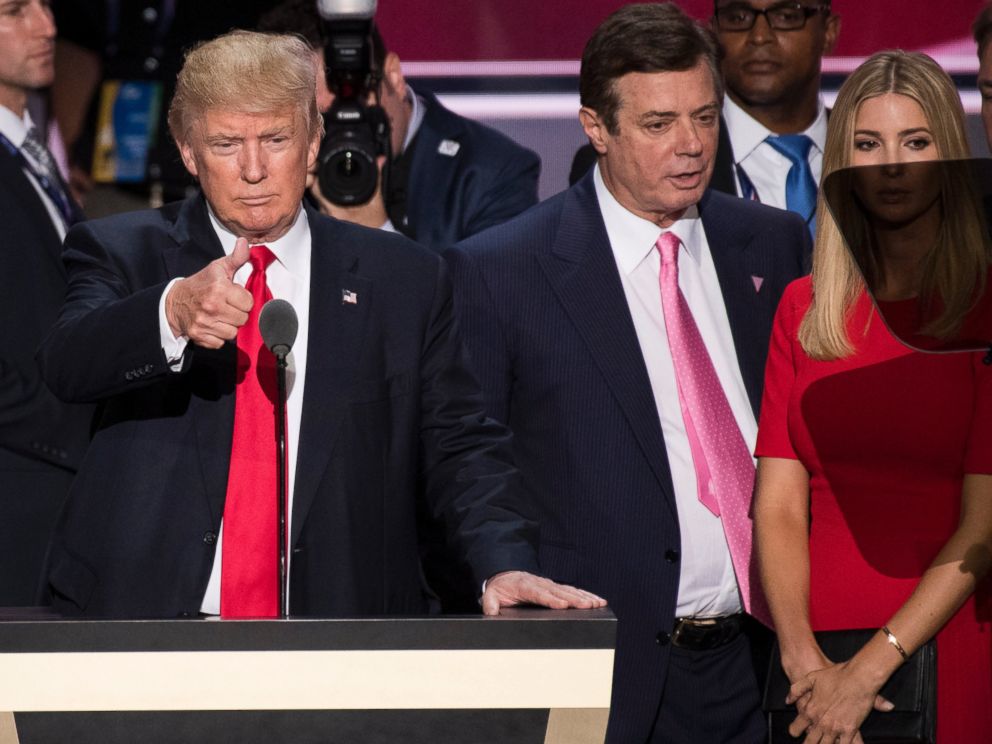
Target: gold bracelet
point(895, 643)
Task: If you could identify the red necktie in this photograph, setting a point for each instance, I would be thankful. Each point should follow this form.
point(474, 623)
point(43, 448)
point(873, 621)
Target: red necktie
point(720, 457)
point(249, 570)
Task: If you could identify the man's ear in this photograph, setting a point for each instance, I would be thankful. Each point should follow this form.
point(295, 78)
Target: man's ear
point(392, 75)
point(312, 150)
point(189, 160)
point(831, 33)
point(594, 128)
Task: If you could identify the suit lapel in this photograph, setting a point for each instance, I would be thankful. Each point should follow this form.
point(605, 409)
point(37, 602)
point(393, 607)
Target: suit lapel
point(34, 210)
point(194, 245)
point(741, 268)
point(431, 173)
point(334, 348)
point(724, 178)
point(583, 274)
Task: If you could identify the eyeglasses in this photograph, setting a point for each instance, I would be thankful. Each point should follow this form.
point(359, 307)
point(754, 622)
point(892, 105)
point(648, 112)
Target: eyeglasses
point(781, 17)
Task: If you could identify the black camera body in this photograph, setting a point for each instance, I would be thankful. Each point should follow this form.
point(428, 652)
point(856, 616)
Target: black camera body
point(356, 129)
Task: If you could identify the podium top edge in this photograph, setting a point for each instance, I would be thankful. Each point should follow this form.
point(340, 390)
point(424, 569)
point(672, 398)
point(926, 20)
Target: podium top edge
point(515, 629)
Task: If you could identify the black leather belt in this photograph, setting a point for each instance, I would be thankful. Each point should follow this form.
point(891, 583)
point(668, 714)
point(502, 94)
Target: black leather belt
point(703, 634)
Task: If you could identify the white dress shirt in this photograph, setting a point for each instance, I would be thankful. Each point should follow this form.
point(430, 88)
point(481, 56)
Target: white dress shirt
point(288, 278)
point(707, 584)
point(765, 166)
point(15, 129)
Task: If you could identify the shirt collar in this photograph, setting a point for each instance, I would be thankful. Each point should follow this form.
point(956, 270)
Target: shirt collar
point(417, 111)
point(13, 127)
point(633, 238)
point(747, 133)
point(288, 250)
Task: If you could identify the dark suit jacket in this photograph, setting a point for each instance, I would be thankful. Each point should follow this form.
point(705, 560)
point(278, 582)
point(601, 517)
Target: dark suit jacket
point(42, 440)
point(551, 336)
point(390, 411)
point(487, 181)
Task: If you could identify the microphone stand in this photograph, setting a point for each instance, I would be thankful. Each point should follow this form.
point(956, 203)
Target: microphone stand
point(281, 482)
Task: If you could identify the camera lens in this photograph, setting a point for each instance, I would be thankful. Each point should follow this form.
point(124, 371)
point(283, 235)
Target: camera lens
point(347, 174)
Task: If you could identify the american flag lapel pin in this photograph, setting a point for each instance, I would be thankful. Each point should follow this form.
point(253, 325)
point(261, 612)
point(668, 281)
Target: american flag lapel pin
point(348, 297)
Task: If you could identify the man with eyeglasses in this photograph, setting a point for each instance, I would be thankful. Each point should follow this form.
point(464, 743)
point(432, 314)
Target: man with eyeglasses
point(775, 120)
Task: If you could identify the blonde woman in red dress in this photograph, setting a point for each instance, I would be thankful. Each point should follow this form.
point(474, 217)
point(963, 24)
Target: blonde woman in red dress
point(873, 506)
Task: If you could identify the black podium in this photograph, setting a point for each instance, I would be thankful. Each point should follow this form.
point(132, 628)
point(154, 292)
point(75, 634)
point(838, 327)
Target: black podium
point(528, 676)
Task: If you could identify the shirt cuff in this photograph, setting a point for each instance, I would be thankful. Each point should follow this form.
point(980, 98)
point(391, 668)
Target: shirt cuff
point(173, 347)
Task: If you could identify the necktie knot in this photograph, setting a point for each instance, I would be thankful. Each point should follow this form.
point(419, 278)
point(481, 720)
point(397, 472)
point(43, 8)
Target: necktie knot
point(793, 146)
point(800, 187)
point(260, 258)
point(668, 246)
point(42, 166)
point(32, 136)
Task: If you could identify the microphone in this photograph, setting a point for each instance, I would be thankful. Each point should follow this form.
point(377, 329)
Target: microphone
point(278, 324)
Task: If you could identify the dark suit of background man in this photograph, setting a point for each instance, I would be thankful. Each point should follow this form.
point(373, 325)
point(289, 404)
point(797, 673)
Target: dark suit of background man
point(562, 315)
point(451, 177)
point(381, 405)
point(41, 439)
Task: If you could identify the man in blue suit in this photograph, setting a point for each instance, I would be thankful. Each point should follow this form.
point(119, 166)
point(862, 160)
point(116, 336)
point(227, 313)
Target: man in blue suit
point(562, 311)
point(173, 510)
point(450, 177)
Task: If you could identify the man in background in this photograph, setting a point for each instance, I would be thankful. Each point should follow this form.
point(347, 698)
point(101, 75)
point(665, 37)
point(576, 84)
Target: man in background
point(42, 440)
point(775, 118)
point(450, 177)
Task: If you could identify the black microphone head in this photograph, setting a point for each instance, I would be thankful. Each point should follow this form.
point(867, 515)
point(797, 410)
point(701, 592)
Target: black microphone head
point(278, 324)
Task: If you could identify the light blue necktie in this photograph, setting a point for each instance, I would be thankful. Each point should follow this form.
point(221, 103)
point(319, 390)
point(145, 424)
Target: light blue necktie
point(800, 188)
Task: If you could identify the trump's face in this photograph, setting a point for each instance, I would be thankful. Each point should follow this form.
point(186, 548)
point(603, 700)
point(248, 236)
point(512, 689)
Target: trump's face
point(252, 168)
point(659, 159)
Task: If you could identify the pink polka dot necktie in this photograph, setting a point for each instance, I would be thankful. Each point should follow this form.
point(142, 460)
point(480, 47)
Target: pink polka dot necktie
point(724, 467)
point(249, 583)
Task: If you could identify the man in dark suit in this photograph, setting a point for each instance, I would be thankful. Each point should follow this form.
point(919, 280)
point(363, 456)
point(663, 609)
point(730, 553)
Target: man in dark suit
point(173, 512)
point(563, 315)
point(41, 439)
point(450, 177)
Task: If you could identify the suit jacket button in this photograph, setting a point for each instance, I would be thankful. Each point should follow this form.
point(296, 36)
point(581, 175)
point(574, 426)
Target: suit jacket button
point(663, 638)
point(148, 368)
point(210, 538)
point(672, 555)
point(129, 375)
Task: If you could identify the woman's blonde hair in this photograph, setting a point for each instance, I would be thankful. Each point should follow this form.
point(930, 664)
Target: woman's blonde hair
point(959, 260)
point(248, 72)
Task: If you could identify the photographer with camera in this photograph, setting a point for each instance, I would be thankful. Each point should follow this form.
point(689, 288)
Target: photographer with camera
point(443, 177)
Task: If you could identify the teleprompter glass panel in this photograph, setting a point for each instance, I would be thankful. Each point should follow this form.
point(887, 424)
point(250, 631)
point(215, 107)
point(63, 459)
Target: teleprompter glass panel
point(919, 234)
